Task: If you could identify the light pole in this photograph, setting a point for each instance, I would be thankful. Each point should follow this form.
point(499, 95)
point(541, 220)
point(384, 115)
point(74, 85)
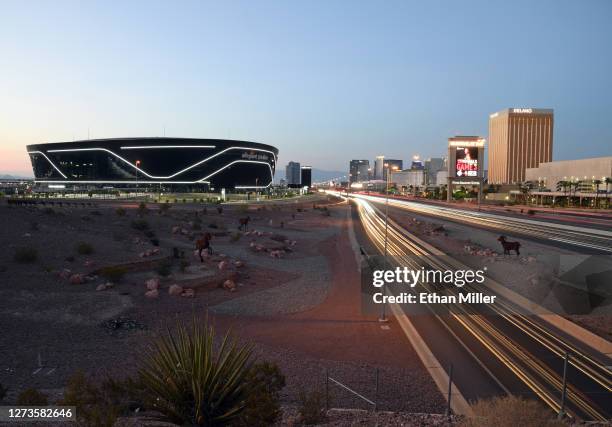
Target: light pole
point(383, 317)
point(137, 164)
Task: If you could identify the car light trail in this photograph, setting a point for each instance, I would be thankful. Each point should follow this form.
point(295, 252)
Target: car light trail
point(535, 372)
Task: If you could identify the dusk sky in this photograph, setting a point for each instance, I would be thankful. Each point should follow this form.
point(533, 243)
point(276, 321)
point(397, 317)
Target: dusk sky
point(324, 81)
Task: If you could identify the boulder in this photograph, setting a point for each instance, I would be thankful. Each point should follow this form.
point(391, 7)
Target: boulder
point(239, 264)
point(175, 290)
point(176, 229)
point(154, 293)
point(230, 285)
point(152, 284)
point(65, 273)
point(188, 293)
point(77, 279)
point(104, 286)
point(223, 265)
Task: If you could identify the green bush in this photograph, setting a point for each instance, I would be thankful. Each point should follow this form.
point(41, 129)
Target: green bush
point(120, 211)
point(312, 407)
point(113, 273)
point(186, 380)
point(98, 405)
point(262, 406)
point(84, 248)
point(25, 255)
point(32, 397)
point(142, 208)
point(164, 268)
point(140, 224)
point(3, 391)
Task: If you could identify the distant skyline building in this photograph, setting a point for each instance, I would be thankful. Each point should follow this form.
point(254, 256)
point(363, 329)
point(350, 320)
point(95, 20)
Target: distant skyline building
point(519, 138)
point(379, 167)
point(293, 174)
point(306, 176)
point(359, 170)
point(433, 165)
point(392, 164)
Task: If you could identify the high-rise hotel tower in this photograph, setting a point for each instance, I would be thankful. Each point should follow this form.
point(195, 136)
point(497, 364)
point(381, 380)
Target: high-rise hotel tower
point(519, 138)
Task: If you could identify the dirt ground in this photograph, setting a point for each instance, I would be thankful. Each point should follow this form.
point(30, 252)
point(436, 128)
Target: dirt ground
point(293, 292)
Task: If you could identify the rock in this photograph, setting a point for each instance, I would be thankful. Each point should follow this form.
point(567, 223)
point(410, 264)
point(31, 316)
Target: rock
point(88, 263)
point(223, 265)
point(155, 251)
point(293, 243)
point(148, 253)
point(154, 293)
point(141, 255)
point(76, 279)
point(175, 290)
point(104, 286)
point(176, 229)
point(535, 281)
point(239, 264)
point(530, 259)
point(230, 285)
point(65, 273)
point(252, 244)
point(222, 256)
point(152, 284)
point(188, 293)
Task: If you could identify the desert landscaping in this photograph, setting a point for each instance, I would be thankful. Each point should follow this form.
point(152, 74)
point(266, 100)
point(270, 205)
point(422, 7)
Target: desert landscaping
point(86, 288)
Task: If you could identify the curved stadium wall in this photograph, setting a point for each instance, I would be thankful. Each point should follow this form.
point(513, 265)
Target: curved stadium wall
point(215, 163)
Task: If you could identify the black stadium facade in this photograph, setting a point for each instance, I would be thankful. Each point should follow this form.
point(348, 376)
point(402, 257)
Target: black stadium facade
point(214, 163)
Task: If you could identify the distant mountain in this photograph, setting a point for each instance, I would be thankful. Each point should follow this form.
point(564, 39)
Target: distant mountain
point(6, 176)
point(319, 175)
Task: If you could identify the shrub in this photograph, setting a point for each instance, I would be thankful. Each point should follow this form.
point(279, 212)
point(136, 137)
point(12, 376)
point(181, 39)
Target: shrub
point(142, 208)
point(530, 212)
point(164, 268)
point(98, 406)
point(140, 224)
point(3, 391)
point(113, 273)
point(155, 241)
point(164, 207)
point(196, 226)
point(149, 233)
point(235, 237)
point(84, 248)
point(25, 255)
point(509, 411)
point(32, 397)
point(243, 208)
point(312, 407)
point(262, 406)
point(183, 265)
point(120, 211)
point(186, 380)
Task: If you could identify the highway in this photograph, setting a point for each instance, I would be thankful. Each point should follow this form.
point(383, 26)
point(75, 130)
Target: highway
point(519, 353)
point(583, 238)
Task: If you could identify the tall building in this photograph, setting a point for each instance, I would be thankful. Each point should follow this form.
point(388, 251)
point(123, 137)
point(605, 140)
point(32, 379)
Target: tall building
point(359, 170)
point(379, 167)
point(306, 176)
point(519, 138)
point(432, 166)
point(293, 174)
point(391, 164)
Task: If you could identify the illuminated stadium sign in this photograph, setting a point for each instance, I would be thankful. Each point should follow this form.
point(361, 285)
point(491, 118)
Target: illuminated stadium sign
point(466, 161)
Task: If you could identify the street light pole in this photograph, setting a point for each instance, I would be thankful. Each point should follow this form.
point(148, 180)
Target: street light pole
point(137, 164)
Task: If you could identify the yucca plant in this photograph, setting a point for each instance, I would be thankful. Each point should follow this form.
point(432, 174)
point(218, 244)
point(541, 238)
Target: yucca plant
point(189, 382)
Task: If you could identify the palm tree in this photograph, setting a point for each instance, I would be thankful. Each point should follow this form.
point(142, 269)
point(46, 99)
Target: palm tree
point(597, 183)
point(563, 184)
point(607, 181)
